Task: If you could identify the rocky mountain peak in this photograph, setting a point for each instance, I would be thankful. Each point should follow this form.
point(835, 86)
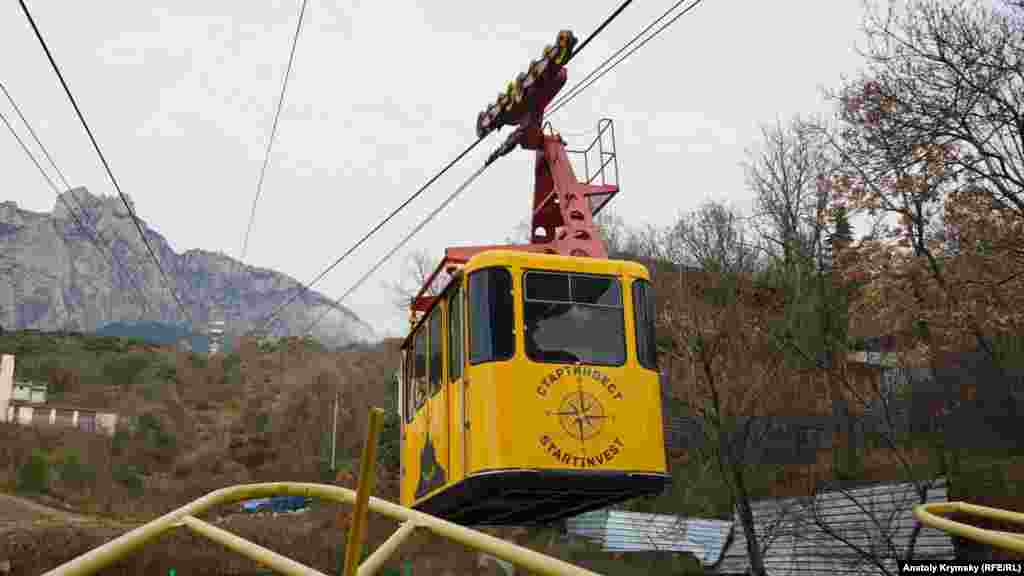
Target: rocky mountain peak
point(59, 280)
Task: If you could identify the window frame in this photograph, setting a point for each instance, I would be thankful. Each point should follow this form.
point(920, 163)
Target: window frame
point(621, 307)
point(456, 342)
point(420, 400)
point(648, 292)
point(407, 398)
point(470, 316)
point(434, 385)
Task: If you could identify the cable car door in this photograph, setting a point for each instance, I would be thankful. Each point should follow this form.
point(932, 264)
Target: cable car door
point(434, 455)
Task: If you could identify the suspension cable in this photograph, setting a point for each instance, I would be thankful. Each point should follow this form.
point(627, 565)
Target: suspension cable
point(480, 171)
point(424, 222)
point(273, 129)
point(577, 89)
point(106, 165)
point(303, 288)
point(74, 215)
point(87, 230)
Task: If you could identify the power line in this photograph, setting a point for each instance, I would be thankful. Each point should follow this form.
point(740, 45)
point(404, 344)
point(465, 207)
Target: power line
point(273, 128)
point(106, 165)
point(305, 287)
point(558, 100)
point(89, 232)
point(49, 180)
point(476, 174)
point(598, 30)
point(577, 90)
point(424, 222)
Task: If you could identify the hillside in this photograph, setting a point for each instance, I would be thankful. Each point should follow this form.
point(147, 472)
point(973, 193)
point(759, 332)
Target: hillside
point(58, 280)
point(156, 333)
point(195, 424)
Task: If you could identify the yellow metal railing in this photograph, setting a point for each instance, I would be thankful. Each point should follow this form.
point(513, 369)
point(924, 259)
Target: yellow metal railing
point(102, 556)
point(929, 515)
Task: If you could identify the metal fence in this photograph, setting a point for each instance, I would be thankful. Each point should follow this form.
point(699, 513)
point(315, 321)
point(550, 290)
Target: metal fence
point(854, 532)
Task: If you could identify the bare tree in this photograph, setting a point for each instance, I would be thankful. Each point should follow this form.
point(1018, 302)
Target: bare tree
point(727, 371)
point(788, 175)
point(715, 238)
point(418, 267)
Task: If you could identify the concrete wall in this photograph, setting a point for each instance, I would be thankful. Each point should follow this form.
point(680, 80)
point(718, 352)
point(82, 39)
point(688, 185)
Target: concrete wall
point(26, 415)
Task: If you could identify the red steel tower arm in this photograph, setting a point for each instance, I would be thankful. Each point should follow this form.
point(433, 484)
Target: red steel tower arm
point(562, 218)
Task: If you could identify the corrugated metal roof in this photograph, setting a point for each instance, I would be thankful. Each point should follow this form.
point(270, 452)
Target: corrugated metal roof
point(796, 532)
point(620, 531)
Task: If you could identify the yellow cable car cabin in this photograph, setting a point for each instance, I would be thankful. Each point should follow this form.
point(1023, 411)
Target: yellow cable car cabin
point(530, 391)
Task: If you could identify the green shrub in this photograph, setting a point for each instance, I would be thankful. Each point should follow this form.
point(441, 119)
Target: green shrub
point(197, 360)
point(125, 370)
point(262, 423)
point(73, 470)
point(128, 476)
point(119, 442)
point(167, 373)
point(154, 434)
point(34, 475)
point(104, 344)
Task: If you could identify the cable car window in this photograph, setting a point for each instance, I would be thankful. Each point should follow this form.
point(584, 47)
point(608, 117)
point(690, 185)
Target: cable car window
point(596, 290)
point(419, 375)
point(436, 350)
point(548, 287)
point(587, 329)
point(643, 310)
point(491, 326)
point(455, 335)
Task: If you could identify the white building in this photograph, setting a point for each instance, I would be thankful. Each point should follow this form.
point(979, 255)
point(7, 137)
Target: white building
point(215, 330)
point(25, 403)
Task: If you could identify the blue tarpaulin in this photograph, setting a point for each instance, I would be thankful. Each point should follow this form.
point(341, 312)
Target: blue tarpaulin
point(276, 504)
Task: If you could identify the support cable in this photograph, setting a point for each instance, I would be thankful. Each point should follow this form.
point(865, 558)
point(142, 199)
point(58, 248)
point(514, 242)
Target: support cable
point(89, 231)
point(273, 129)
point(106, 165)
point(583, 84)
point(303, 288)
point(480, 171)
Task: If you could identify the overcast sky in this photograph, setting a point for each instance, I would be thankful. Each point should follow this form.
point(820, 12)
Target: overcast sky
point(181, 99)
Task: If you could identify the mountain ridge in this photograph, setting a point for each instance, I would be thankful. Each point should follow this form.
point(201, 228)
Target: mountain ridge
point(55, 279)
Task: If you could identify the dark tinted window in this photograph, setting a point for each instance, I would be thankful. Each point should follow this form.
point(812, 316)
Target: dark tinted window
point(587, 327)
point(455, 335)
point(491, 335)
point(596, 290)
point(643, 310)
point(419, 376)
point(548, 287)
point(436, 350)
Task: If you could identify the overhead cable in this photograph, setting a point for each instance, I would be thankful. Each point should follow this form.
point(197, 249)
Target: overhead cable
point(273, 129)
point(577, 89)
point(106, 165)
point(87, 230)
point(303, 288)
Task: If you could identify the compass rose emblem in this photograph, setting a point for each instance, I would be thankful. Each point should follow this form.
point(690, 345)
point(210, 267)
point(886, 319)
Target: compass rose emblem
point(581, 415)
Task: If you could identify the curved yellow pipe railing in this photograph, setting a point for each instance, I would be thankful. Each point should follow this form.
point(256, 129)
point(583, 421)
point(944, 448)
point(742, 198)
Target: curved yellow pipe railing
point(101, 557)
point(106, 554)
point(929, 515)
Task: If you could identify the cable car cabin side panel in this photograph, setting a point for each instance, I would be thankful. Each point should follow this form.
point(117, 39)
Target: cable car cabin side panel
point(425, 440)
